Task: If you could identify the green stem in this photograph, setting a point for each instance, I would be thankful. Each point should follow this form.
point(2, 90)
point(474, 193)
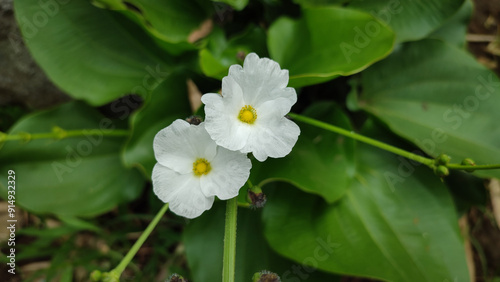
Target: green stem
point(473, 167)
point(228, 263)
point(131, 253)
point(58, 133)
point(429, 162)
point(359, 137)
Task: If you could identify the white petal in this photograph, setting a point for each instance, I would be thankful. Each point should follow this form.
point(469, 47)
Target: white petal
point(223, 124)
point(180, 144)
point(288, 93)
point(230, 171)
point(272, 110)
point(232, 94)
point(206, 146)
point(274, 139)
point(259, 79)
point(266, 69)
point(212, 100)
point(181, 191)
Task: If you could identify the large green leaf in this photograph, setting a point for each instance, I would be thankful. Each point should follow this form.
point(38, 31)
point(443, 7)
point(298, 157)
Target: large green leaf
point(392, 224)
point(327, 42)
point(440, 98)
point(204, 243)
point(76, 176)
point(455, 28)
point(90, 53)
point(321, 162)
point(411, 20)
point(172, 21)
point(220, 53)
point(167, 103)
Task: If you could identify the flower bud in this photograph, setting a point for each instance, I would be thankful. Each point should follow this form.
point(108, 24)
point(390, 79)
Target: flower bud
point(442, 159)
point(26, 137)
point(469, 162)
point(441, 171)
point(95, 275)
point(196, 120)
point(176, 278)
point(241, 55)
point(265, 276)
point(59, 132)
point(256, 197)
point(111, 276)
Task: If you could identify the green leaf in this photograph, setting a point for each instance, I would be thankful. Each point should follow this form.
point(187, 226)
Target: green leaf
point(388, 226)
point(440, 98)
point(172, 21)
point(79, 224)
point(321, 162)
point(236, 4)
point(167, 103)
point(327, 42)
point(411, 20)
point(90, 53)
point(76, 176)
point(203, 238)
point(220, 53)
point(455, 28)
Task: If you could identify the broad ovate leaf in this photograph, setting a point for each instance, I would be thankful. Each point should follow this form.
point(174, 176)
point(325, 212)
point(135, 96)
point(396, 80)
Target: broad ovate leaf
point(440, 98)
point(393, 224)
point(92, 54)
point(327, 42)
point(74, 176)
point(410, 20)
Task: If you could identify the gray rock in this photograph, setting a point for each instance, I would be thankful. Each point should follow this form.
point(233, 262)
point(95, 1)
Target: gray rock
point(22, 82)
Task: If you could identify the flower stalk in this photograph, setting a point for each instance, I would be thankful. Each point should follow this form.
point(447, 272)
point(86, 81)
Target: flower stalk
point(228, 263)
point(431, 163)
point(114, 275)
point(59, 133)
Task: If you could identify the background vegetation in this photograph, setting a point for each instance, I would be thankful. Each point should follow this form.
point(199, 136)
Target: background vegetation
point(399, 71)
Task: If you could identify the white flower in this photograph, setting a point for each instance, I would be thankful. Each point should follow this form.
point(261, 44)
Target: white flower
point(250, 114)
point(192, 169)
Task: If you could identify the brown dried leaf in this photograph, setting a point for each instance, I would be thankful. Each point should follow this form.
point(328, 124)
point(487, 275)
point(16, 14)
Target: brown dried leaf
point(494, 187)
point(469, 253)
point(204, 30)
point(194, 95)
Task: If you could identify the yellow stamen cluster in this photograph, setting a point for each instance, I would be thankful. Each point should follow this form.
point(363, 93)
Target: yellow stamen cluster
point(201, 166)
point(247, 114)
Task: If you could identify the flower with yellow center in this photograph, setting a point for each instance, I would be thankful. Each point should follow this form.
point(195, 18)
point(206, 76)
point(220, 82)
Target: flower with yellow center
point(247, 114)
point(192, 169)
point(201, 167)
point(259, 87)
